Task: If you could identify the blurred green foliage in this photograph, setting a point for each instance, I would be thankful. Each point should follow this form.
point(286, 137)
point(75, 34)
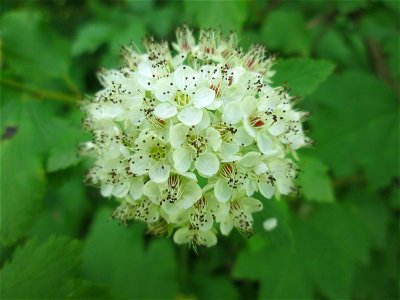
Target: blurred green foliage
point(337, 239)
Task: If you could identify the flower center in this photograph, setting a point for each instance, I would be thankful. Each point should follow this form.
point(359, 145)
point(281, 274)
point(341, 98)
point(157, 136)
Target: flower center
point(256, 121)
point(226, 131)
point(197, 143)
point(230, 174)
point(174, 188)
point(181, 99)
point(158, 152)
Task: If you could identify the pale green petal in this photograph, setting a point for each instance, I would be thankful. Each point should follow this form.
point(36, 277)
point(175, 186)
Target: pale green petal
point(250, 186)
point(250, 159)
point(136, 190)
point(190, 116)
point(170, 208)
point(121, 189)
point(222, 191)
point(207, 223)
point(277, 128)
point(251, 204)
point(106, 190)
point(207, 238)
point(203, 97)
point(207, 164)
point(266, 189)
point(177, 135)
point(228, 149)
point(205, 121)
point(165, 110)
point(139, 165)
point(214, 138)
point(270, 224)
point(160, 173)
point(249, 129)
point(164, 91)
point(249, 105)
point(260, 168)
point(191, 193)
point(152, 191)
point(182, 235)
point(232, 112)
point(185, 78)
point(241, 137)
point(182, 159)
point(222, 211)
point(226, 225)
point(265, 144)
point(284, 186)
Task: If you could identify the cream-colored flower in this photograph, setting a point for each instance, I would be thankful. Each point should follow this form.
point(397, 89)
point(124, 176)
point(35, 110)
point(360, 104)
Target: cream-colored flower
point(183, 139)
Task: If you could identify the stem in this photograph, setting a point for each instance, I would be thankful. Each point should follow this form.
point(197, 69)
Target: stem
point(38, 93)
point(72, 86)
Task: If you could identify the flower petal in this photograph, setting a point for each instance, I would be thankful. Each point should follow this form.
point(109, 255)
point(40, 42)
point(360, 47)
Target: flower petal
point(241, 137)
point(182, 235)
point(136, 190)
point(214, 138)
point(106, 190)
point(207, 164)
point(203, 97)
point(190, 116)
point(222, 191)
point(266, 189)
point(139, 164)
point(277, 128)
point(177, 135)
point(185, 78)
point(182, 159)
point(251, 204)
point(165, 89)
point(232, 112)
point(120, 190)
point(165, 110)
point(228, 150)
point(226, 225)
point(249, 105)
point(265, 144)
point(160, 173)
point(207, 238)
point(191, 193)
point(152, 191)
point(250, 159)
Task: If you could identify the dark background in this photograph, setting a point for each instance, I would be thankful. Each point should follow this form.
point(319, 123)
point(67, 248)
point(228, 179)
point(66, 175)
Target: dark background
point(337, 239)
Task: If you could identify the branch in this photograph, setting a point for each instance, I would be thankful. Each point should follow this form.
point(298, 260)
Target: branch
point(39, 93)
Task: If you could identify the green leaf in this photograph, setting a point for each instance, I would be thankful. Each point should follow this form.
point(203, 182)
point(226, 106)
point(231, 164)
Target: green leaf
point(32, 50)
point(286, 31)
point(208, 14)
point(346, 7)
point(31, 131)
point(216, 287)
point(63, 149)
point(281, 235)
point(23, 180)
point(41, 271)
point(355, 124)
point(314, 180)
point(91, 36)
point(302, 75)
point(116, 255)
point(324, 257)
point(142, 6)
point(65, 207)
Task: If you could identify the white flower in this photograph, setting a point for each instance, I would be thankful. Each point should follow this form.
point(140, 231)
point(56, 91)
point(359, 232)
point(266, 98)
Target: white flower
point(183, 140)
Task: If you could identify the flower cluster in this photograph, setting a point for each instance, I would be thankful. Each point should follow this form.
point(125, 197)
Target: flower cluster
point(184, 138)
